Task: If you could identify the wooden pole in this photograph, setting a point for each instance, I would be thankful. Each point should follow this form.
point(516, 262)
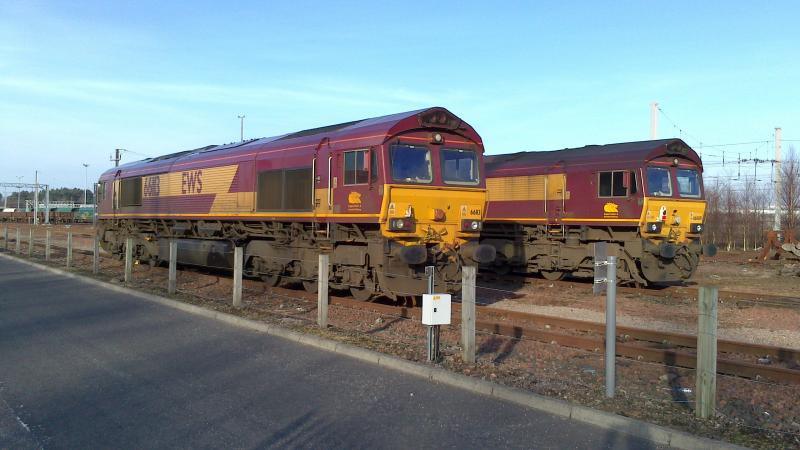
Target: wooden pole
point(128, 259)
point(706, 352)
point(322, 291)
point(238, 256)
point(47, 245)
point(172, 284)
point(69, 249)
point(468, 313)
point(96, 255)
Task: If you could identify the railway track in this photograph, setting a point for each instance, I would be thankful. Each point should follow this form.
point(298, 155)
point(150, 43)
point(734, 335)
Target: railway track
point(671, 349)
point(738, 298)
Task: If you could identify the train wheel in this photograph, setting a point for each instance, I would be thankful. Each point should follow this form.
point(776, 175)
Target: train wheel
point(271, 280)
point(310, 286)
point(552, 275)
point(362, 294)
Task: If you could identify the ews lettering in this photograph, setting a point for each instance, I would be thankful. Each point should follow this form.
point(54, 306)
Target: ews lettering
point(192, 182)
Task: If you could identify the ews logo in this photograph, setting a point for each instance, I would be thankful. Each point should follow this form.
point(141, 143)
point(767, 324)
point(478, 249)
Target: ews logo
point(192, 182)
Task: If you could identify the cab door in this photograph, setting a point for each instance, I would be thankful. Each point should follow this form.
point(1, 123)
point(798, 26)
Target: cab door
point(556, 194)
point(353, 181)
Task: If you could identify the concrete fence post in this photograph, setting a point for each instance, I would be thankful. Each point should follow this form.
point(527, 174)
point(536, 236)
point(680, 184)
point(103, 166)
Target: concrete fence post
point(16, 242)
point(69, 249)
point(128, 259)
point(611, 328)
point(322, 291)
point(96, 255)
point(30, 242)
point(172, 283)
point(5, 237)
point(468, 313)
point(706, 352)
point(238, 263)
point(47, 245)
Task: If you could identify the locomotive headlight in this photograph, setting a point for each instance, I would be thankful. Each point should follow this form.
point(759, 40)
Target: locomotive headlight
point(401, 224)
point(696, 228)
point(654, 227)
point(471, 225)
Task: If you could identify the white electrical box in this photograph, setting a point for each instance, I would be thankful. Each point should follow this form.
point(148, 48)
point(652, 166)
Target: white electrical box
point(435, 309)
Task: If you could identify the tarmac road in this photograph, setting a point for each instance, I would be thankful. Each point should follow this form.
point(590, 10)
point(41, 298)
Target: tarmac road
point(83, 367)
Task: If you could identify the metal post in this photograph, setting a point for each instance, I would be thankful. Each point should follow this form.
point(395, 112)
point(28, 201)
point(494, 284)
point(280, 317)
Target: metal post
point(172, 284)
point(47, 245)
point(128, 259)
point(706, 352)
point(238, 257)
point(5, 237)
point(322, 292)
point(468, 313)
point(776, 226)
point(433, 330)
point(16, 242)
point(30, 241)
point(47, 204)
point(69, 249)
point(96, 255)
point(611, 327)
point(36, 198)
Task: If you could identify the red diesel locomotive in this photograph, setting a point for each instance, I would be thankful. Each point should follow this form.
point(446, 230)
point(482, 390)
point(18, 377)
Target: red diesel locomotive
point(384, 196)
point(546, 209)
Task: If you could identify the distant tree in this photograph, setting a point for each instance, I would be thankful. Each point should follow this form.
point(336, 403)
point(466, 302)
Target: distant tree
point(789, 194)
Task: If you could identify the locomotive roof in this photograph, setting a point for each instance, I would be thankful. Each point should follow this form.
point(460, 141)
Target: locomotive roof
point(590, 154)
point(375, 130)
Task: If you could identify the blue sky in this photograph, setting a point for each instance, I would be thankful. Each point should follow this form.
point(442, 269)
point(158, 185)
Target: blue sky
point(78, 79)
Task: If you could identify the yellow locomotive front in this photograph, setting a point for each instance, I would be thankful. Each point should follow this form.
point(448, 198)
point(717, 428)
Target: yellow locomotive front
point(672, 220)
point(433, 209)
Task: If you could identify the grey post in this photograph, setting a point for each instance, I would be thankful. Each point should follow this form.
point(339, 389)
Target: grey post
point(47, 245)
point(706, 352)
point(5, 237)
point(611, 327)
point(96, 255)
point(433, 330)
point(322, 291)
point(468, 313)
point(69, 249)
point(172, 284)
point(16, 242)
point(30, 241)
point(128, 259)
point(238, 257)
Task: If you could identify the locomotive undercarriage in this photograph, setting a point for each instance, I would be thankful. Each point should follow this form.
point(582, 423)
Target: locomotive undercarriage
point(361, 259)
point(557, 251)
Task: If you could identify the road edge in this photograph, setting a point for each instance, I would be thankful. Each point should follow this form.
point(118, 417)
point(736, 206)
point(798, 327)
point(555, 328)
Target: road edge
point(633, 427)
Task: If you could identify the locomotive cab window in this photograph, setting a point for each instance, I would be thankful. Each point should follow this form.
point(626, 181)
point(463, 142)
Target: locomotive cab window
point(658, 182)
point(130, 192)
point(612, 184)
point(284, 190)
point(356, 170)
point(688, 183)
point(411, 164)
point(459, 166)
